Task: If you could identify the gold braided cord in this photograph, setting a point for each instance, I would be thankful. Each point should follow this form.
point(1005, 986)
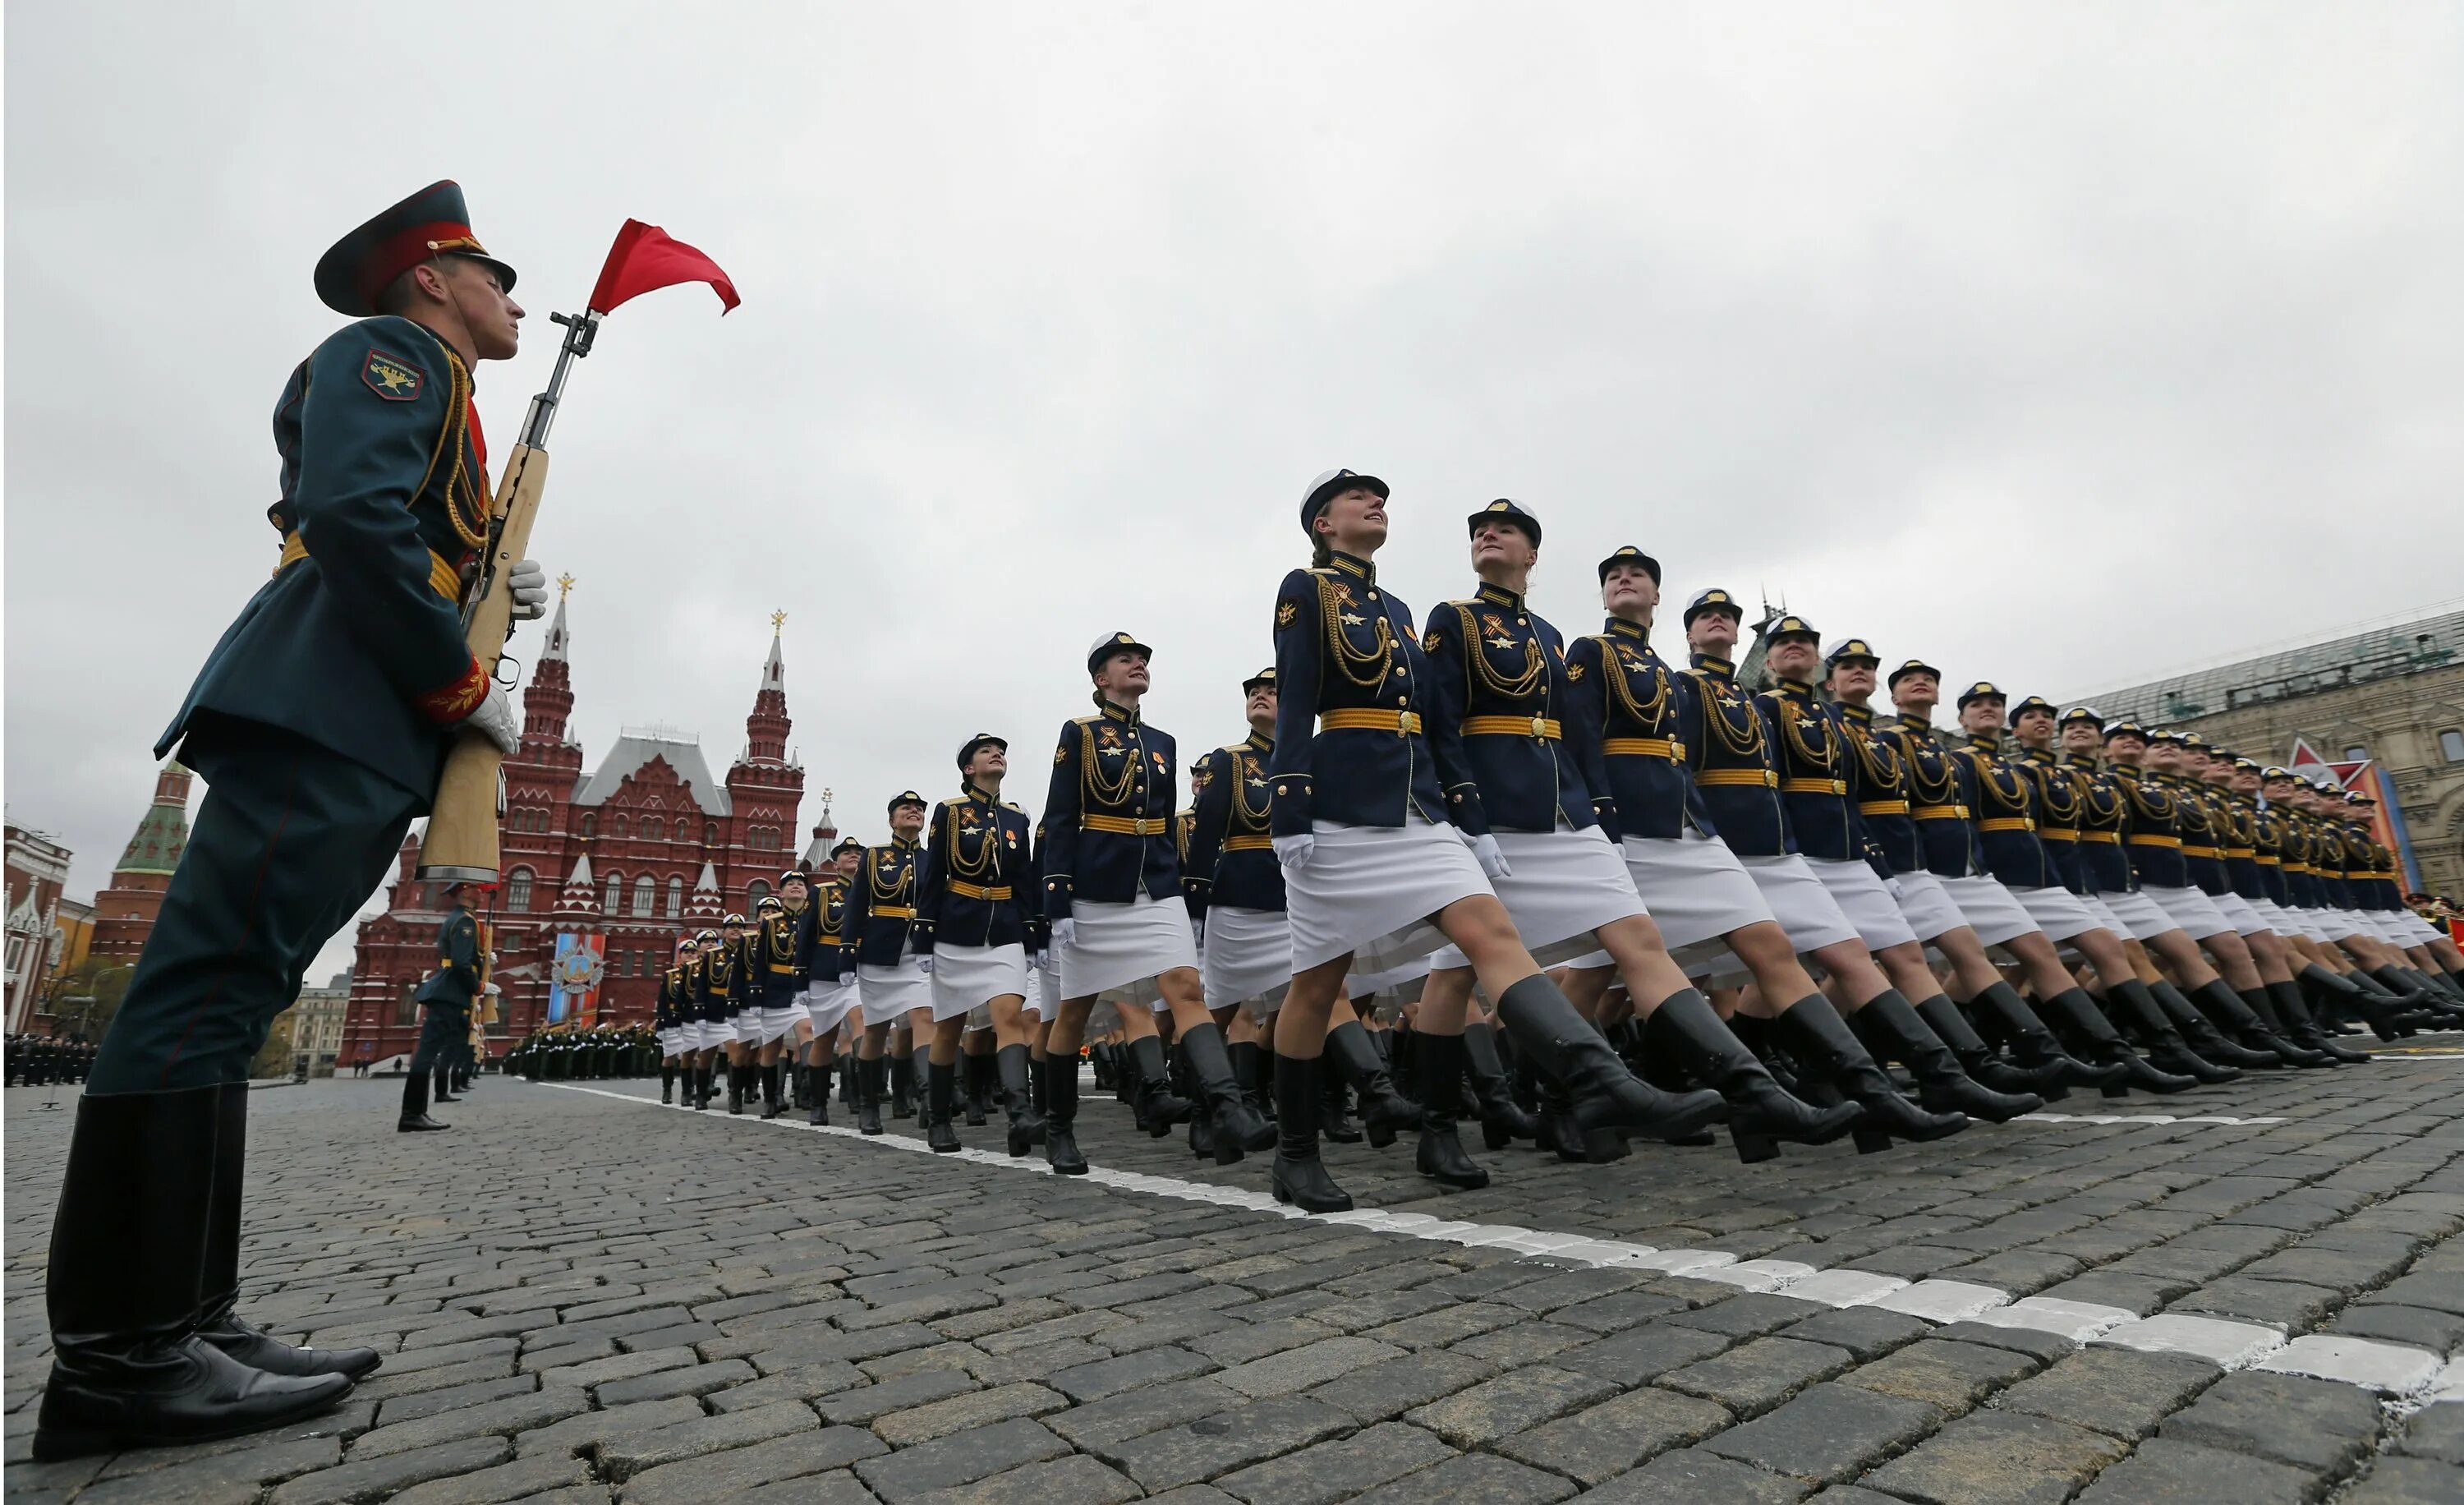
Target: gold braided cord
point(461, 491)
point(905, 885)
point(1990, 774)
point(1746, 739)
point(1924, 788)
point(2063, 807)
point(1885, 768)
point(1095, 790)
point(987, 843)
point(1614, 668)
point(1792, 720)
point(1354, 663)
point(2148, 800)
point(1481, 675)
point(1249, 816)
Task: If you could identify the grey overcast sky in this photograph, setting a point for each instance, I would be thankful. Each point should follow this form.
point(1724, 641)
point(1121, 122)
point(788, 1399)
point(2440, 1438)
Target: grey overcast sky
point(2050, 341)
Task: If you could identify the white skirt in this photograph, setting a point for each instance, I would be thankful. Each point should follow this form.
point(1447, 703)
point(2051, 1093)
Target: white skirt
point(1858, 891)
point(1926, 903)
point(1045, 1001)
point(1563, 887)
point(1803, 907)
point(2142, 918)
point(776, 1024)
point(672, 1040)
point(890, 993)
point(2192, 912)
point(1247, 958)
point(1988, 909)
point(2421, 931)
point(2057, 911)
point(2237, 910)
point(828, 1004)
point(1123, 949)
point(966, 978)
point(2314, 924)
point(1694, 887)
point(1372, 893)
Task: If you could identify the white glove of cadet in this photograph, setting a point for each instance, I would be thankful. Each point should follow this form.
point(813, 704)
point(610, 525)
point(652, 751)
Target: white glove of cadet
point(1492, 861)
point(495, 719)
point(1197, 928)
point(527, 581)
point(924, 963)
point(1065, 934)
point(1295, 852)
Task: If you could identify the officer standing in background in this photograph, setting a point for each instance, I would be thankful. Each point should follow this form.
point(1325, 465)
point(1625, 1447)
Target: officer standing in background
point(319, 723)
point(444, 999)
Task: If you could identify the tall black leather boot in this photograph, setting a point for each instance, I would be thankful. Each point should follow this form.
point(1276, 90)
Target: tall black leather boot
point(2035, 1045)
point(735, 1087)
point(1336, 1126)
point(2238, 1014)
point(129, 1251)
point(817, 1090)
point(1822, 1041)
point(414, 1119)
point(1564, 1048)
point(1440, 1059)
point(667, 1084)
point(1060, 1116)
point(1384, 1112)
point(982, 1072)
point(218, 1320)
point(2167, 1049)
point(2086, 1034)
point(1248, 1069)
point(1502, 1119)
point(941, 1107)
point(1761, 1112)
point(1027, 1126)
point(1238, 1127)
point(1299, 1177)
point(871, 1084)
point(1157, 1106)
point(772, 1103)
point(2202, 1034)
point(1890, 1027)
point(2302, 1029)
point(1977, 1059)
point(2326, 988)
point(902, 1086)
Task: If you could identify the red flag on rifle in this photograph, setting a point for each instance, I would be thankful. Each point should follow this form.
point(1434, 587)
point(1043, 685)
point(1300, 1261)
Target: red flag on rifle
point(646, 258)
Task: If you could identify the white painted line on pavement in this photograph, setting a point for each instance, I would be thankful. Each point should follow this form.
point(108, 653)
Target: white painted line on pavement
point(2407, 1374)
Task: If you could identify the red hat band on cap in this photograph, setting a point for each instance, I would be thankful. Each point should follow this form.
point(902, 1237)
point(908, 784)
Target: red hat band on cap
point(399, 253)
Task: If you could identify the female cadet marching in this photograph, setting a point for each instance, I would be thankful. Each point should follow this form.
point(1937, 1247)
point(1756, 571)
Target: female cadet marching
point(1377, 862)
point(890, 978)
point(1499, 675)
point(673, 1016)
point(1236, 889)
point(1120, 924)
point(976, 911)
point(830, 988)
point(779, 979)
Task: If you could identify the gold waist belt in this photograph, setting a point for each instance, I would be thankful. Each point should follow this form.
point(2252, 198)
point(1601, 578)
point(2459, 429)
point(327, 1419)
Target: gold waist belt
point(2245, 853)
point(979, 891)
point(2175, 842)
point(1747, 778)
point(2111, 838)
point(894, 911)
point(2216, 852)
point(1125, 826)
point(1401, 722)
point(1813, 785)
point(442, 577)
point(2271, 862)
point(2007, 823)
point(1644, 747)
point(2050, 834)
point(1942, 812)
point(1249, 843)
point(1537, 727)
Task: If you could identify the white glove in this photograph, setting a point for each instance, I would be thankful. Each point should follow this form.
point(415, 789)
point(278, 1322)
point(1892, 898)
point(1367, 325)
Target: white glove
point(1065, 934)
point(1492, 861)
point(1197, 928)
point(924, 963)
point(1295, 852)
point(527, 581)
point(495, 719)
point(495, 989)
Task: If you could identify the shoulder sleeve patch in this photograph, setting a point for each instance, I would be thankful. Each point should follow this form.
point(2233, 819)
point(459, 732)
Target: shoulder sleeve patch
point(390, 376)
point(1429, 642)
point(1286, 613)
point(1575, 668)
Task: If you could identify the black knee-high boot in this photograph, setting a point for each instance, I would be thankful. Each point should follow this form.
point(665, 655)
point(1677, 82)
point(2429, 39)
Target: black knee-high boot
point(2237, 1014)
point(902, 1086)
point(1761, 1112)
point(980, 1075)
point(1563, 1046)
point(2036, 1045)
point(1027, 1126)
point(1238, 1127)
point(1299, 1177)
point(1822, 1041)
point(129, 1246)
point(1248, 1069)
point(2086, 1034)
point(941, 1107)
point(667, 1082)
point(2167, 1049)
point(1977, 1059)
point(817, 1091)
point(2294, 1015)
point(871, 1079)
point(1157, 1105)
point(1502, 1119)
point(1060, 1116)
point(2205, 1038)
point(1384, 1112)
point(218, 1320)
point(1440, 1059)
point(2328, 990)
point(772, 1103)
point(1889, 1027)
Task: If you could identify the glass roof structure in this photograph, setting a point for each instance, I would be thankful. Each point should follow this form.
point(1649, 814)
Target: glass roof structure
point(2380, 654)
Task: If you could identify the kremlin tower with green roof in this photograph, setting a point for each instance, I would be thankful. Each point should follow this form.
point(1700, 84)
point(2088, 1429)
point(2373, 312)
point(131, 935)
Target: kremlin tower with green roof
point(124, 910)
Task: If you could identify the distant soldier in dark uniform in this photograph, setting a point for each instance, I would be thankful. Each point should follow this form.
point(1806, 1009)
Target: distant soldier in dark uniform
point(780, 981)
point(669, 1017)
point(890, 978)
point(319, 723)
point(830, 989)
point(444, 999)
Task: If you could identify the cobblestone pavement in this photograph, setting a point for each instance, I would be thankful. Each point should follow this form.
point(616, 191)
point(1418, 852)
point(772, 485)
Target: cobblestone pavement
point(2246, 1294)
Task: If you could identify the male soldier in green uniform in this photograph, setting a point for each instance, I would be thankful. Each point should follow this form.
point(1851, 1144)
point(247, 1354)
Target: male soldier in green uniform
point(445, 1001)
point(320, 723)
